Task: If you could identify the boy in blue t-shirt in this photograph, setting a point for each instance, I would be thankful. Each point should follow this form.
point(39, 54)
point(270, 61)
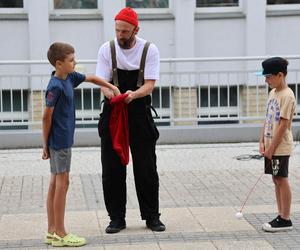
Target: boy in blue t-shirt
point(58, 133)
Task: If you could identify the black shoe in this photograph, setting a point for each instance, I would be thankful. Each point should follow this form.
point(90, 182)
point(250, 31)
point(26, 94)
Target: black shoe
point(155, 225)
point(278, 224)
point(115, 226)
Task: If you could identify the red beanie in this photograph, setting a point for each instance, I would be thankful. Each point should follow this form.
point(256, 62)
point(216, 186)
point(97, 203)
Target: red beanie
point(128, 15)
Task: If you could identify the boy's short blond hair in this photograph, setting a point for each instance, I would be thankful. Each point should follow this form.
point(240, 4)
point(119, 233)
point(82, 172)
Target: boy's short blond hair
point(59, 51)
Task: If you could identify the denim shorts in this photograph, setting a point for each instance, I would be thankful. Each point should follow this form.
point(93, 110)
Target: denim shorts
point(60, 160)
point(278, 166)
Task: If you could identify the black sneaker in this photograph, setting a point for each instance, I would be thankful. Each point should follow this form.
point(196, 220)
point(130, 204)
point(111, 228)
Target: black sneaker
point(155, 225)
point(278, 224)
point(115, 226)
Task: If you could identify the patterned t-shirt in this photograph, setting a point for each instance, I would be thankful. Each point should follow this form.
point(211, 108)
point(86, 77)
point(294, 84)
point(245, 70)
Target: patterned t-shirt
point(281, 104)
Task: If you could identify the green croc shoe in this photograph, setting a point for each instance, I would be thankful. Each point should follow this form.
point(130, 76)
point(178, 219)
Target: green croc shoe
point(70, 240)
point(48, 238)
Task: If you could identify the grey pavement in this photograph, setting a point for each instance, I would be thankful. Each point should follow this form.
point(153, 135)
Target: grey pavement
point(202, 186)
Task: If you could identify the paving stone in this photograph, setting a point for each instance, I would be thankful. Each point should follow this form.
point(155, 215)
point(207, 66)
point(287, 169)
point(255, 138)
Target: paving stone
point(201, 186)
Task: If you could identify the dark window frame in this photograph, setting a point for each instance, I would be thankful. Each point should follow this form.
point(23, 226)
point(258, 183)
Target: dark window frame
point(18, 4)
point(282, 2)
point(74, 4)
point(217, 3)
point(142, 4)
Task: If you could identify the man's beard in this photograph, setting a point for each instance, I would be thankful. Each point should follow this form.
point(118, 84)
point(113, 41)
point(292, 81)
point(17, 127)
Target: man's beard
point(126, 44)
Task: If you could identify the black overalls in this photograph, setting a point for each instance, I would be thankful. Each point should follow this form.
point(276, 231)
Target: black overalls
point(143, 135)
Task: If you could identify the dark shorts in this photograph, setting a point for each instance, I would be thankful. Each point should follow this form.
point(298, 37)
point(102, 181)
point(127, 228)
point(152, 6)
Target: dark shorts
point(278, 166)
point(60, 160)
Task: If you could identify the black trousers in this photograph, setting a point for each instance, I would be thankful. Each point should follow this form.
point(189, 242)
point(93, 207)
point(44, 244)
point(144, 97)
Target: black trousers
point(143, 135)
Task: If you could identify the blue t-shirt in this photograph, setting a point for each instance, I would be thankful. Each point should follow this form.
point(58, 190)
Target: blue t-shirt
point(60, 95)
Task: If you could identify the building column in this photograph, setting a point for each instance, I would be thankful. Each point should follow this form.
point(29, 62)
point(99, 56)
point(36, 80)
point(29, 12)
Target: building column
point(252, 96)
point(185, 91)
point(184, 12)
point(255, 27)
point(110, 9)
point(38, 28)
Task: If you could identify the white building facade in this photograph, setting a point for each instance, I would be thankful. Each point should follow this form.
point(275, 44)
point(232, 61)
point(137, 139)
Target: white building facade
point(181, 29)
point(209, 50)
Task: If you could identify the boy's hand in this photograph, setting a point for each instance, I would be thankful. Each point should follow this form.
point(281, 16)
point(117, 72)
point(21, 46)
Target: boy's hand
point(269, 153)
point(116, 91)
point(107, 92)
point(108, 89)
point(45, 154)
point(262, 148)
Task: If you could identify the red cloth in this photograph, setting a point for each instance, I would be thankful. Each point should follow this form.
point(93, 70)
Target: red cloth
point(118, 127)
point(128, 15)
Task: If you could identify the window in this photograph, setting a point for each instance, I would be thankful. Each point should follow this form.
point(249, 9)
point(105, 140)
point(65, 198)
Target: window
point(165, 98)
point(11, 100)
point(296, 90)
point(13, 108)
point(147, 3)
point(75, 4)
point(87, 105)
point(11, 4)
point(217, 3)
point(213, 96)
point(203, 97)
point(87, 101)
point(283, 2)
point(233, 96)
point(217, 102)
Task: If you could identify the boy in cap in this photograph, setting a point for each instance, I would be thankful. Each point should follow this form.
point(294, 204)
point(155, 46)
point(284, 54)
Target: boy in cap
point(276, 140)
point(132, 64)
point(58, 133)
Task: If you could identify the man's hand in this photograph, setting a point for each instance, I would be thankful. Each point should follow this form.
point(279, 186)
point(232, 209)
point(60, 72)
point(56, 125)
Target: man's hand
point(45, 154)
point(130, 97)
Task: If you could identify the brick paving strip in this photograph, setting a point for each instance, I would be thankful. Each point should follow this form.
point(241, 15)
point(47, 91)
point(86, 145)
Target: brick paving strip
point(279, 240)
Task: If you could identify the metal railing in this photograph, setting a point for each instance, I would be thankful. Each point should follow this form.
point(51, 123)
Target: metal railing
point(191, 91)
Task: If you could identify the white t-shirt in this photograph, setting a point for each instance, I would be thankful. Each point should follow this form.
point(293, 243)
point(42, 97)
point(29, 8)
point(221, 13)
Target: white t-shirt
point(128, 59)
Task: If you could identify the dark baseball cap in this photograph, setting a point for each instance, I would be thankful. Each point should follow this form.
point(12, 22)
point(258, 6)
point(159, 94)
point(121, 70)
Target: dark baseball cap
point(274, 65)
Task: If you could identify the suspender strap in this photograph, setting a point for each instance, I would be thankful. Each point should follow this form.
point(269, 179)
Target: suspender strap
point(156, 115)
point(142, 65)
point(114, 63)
